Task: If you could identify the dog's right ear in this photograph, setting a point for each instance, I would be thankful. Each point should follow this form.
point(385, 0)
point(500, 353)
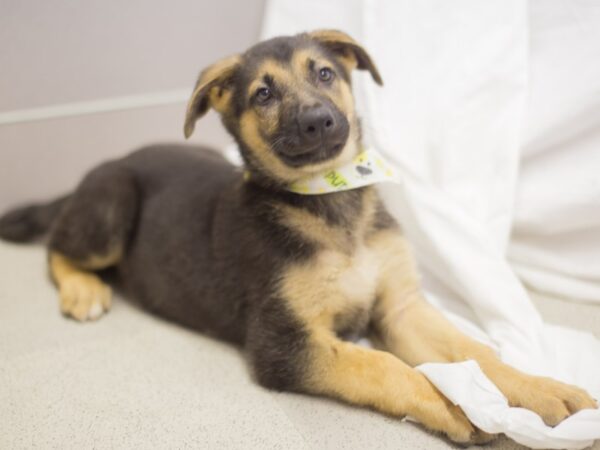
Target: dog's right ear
point(348, 50)
point(213, 89)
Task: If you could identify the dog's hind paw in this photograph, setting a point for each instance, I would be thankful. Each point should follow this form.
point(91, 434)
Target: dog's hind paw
point(84, 297)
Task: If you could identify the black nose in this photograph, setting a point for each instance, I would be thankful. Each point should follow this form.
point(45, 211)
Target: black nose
point(316, 122)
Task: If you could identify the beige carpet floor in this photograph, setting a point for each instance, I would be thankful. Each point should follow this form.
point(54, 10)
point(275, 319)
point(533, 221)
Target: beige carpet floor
point(133, 381)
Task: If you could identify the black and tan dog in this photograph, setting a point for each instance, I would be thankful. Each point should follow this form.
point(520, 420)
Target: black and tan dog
point(284, 275)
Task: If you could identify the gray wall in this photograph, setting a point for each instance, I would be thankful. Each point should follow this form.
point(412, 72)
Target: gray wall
point(67, 52)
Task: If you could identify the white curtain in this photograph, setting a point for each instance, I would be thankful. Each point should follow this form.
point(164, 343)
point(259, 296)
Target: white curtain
point(491, 111)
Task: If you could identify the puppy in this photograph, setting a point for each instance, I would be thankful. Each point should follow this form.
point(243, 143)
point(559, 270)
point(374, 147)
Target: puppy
point(238, 256)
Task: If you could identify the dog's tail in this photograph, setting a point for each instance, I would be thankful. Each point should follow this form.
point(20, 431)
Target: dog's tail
point(30, 222)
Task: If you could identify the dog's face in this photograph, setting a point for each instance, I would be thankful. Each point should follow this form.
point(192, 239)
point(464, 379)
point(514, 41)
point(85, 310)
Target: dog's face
point(288, 102)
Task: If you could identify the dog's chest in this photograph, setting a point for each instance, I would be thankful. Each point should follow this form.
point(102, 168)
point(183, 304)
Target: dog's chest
point(334, 289)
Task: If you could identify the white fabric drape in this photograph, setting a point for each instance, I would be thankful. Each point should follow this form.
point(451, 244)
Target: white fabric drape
point(491, 112)
point(556, 240)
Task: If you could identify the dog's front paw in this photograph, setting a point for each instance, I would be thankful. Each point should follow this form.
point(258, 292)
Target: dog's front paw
point(552, 400)
point(84, 297)
point(437, 413)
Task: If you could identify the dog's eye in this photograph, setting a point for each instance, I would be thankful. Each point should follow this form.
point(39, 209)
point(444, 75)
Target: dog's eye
point(326, 74)
point(263, 94)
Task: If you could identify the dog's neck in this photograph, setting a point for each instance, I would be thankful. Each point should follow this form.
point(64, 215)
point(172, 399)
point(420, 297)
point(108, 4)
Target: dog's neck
point(339, 209)
point(335, 208)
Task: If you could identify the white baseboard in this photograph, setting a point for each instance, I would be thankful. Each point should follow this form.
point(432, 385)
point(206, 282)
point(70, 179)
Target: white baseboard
point(95, 106)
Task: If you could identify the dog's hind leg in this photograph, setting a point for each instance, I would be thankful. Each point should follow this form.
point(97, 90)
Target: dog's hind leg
point(83, 295)
point(90, 234)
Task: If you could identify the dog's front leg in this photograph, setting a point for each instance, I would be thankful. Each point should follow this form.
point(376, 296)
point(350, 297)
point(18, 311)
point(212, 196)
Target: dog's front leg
point(365, 377)
point(417, 333)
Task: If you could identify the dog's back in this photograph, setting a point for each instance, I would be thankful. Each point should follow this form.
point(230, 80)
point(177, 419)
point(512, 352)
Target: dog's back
point(171, 258)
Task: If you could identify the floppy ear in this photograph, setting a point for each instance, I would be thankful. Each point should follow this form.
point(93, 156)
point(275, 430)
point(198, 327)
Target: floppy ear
point(212, 90)
point(346, 48)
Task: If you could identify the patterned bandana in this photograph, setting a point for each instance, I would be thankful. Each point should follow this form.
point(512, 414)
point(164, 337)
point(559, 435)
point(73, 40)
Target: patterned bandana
point(368, 167)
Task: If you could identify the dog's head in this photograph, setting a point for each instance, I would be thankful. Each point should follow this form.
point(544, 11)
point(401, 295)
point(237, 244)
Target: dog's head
point(288, 102)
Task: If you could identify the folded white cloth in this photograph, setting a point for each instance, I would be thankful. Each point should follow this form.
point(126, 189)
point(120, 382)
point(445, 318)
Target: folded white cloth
point(466, 385)
point(472, 89)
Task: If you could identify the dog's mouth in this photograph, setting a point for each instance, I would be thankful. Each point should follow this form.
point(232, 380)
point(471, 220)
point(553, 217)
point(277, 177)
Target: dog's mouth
point(314, 155)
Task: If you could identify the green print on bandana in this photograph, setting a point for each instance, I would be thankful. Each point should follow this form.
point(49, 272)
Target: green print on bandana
point(335, 179)
point(367, 168)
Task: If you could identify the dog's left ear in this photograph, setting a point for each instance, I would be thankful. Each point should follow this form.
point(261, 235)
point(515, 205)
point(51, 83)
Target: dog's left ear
point(348, 50)
point(213, 89)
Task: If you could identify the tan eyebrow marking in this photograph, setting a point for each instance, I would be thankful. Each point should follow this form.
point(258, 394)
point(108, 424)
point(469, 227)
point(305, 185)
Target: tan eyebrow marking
point(273, 69)
point(308, 59)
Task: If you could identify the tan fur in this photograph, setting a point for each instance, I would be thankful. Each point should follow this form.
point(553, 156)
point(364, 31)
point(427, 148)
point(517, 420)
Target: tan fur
point(332, 36)
point(210, 84)
point(83, 295)
point(342, 277)
point(346, 100)
point(315, 229)
point(301, 57)
point(250, 132)
point(398, 278)
point(331, 285)
point(279, 72)
point(348, 61)
point(220, 99)
point(216, 71)
point(379, 380)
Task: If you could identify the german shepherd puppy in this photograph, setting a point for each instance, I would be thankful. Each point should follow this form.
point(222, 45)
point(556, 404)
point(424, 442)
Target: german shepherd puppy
point(236, 255)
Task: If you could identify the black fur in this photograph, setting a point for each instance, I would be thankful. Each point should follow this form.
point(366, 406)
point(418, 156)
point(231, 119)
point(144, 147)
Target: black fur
point(30, 222)
point(100, 217)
